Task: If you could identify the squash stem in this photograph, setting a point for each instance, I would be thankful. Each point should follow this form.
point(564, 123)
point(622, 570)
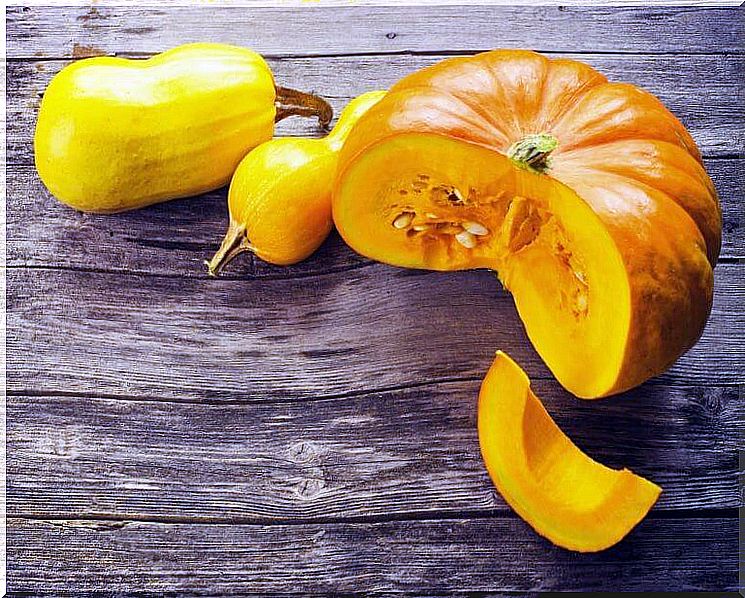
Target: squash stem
point(291, 102)
point(532, 152)
point(233, 244)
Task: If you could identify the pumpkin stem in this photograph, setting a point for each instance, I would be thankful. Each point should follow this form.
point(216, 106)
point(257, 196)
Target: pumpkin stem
point(234, 243)
point(291, 102)
point(532, 151)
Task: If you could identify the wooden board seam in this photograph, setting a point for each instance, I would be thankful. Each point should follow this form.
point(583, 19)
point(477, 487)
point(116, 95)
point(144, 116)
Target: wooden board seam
point(445, 53)
point(418, 516)
point(251, 275)
point(42, 393)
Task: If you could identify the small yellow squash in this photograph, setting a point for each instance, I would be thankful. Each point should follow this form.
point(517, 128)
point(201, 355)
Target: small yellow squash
point(280, 195)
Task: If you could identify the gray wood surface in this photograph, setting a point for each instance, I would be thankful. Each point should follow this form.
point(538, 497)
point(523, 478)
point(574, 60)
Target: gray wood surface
point(312, 428)
point(320, 31)
point(336, 334)
point(173, 239)
point(420, 556)
point(381, 454)
point(711, 111)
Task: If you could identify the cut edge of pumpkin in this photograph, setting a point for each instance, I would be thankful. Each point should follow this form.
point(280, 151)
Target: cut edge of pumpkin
point(420, 200)
point(567, 497)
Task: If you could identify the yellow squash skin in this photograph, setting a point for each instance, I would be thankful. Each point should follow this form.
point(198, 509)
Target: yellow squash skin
point(280, 194)
point(575, 502)
point(116, 134)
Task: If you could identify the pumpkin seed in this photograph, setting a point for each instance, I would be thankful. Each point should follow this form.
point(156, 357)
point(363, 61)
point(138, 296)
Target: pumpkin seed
point(403, 220)
point(455, 196)
point(466, 239)
point(476, 228)
point(420, 227)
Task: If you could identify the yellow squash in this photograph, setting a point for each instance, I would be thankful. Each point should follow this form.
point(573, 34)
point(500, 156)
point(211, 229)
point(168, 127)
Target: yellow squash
point(280, 195)
point(562, 493)
point(116, 134)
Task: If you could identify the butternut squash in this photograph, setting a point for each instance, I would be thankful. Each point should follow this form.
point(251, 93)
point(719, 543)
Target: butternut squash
point(116, 134)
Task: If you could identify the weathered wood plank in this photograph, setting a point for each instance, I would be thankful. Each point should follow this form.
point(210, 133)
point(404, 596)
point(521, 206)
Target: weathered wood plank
point(705, 92)
point(383, 454)
point(499, 554)
point(57, 31)
point(355, 331)
point(173, 239)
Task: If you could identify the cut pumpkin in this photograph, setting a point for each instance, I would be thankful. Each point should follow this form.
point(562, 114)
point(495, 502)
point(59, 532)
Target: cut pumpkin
point(587, 197)
point(568, 498)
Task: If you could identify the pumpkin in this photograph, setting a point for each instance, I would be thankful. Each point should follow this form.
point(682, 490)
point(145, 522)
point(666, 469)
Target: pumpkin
point(587, 197)
point(575, 502)
point(115, 134)
point(280, 194)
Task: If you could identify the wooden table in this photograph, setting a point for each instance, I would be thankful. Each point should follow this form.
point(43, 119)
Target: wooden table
point(312, 429)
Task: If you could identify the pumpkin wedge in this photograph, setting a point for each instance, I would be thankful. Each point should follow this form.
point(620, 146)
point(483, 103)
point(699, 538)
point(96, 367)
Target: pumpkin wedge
point(587, 197)
point(575, 502)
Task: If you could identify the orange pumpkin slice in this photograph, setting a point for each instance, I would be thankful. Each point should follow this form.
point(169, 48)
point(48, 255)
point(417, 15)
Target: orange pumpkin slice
point(575, 502)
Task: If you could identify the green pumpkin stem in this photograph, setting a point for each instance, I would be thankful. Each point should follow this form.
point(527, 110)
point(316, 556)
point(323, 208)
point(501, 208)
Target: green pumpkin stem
point(533, 151)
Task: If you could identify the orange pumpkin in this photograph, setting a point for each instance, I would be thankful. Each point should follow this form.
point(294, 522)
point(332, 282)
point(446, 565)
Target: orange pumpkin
point(587, 197)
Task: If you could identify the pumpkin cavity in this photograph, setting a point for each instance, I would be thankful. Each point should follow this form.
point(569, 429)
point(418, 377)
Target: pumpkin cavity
point(439, 216)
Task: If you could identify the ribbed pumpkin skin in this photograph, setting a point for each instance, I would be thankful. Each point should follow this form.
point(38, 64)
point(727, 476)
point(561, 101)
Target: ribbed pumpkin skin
point(619, 149)
point(115, 134)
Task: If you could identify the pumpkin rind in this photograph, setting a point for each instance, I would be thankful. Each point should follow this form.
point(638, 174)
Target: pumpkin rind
point(620, 151)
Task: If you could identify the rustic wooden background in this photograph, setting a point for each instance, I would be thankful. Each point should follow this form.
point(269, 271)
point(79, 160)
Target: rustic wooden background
point(313, 429)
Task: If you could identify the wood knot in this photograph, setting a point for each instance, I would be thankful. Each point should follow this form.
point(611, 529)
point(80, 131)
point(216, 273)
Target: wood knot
point(303, 452)
point(312, 484)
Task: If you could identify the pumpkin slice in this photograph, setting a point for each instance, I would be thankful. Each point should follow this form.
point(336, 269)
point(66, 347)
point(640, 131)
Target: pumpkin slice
point(575, 502)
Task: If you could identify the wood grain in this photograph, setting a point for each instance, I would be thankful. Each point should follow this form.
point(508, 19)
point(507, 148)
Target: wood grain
point(705, 92)
point(56, 31)
point(378, 455)
point(348, 332)
point(472, 555)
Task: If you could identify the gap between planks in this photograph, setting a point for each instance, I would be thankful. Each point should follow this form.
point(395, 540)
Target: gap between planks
point(444, 53)
point(118, 521)
point(227, 277)
point(49, 393)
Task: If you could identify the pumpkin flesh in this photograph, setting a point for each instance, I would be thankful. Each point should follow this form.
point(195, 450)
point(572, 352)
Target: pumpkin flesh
point(607, 245)
point(531, 222)
point(567, 497)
